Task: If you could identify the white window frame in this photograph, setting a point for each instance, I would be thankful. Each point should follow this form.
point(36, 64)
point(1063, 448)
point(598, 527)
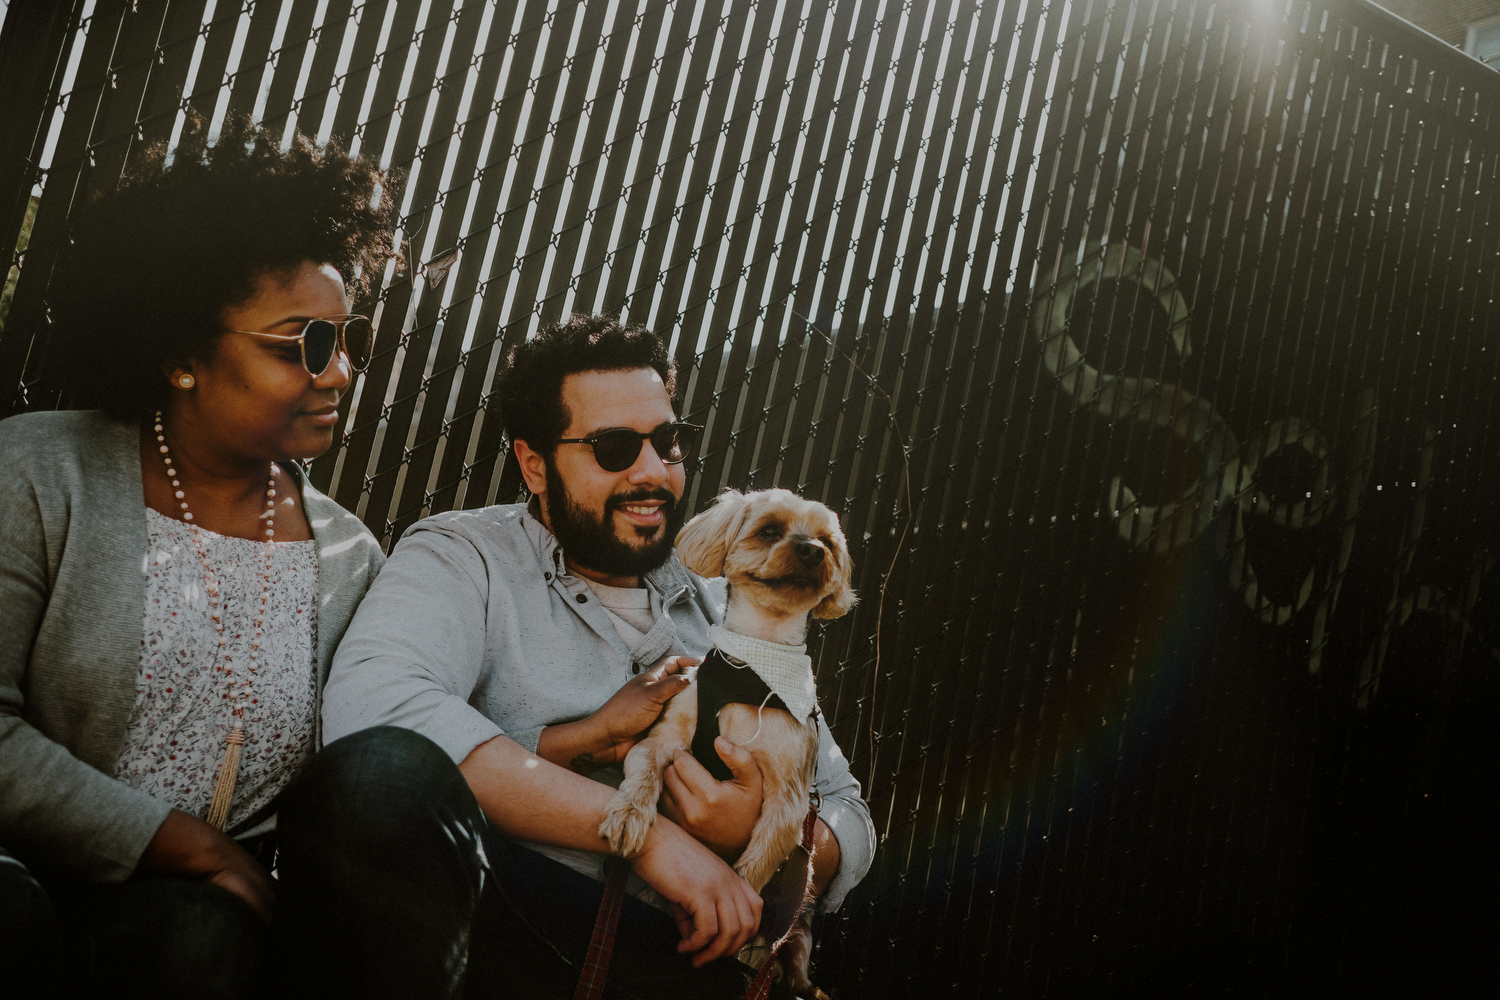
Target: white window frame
point(1470, 36)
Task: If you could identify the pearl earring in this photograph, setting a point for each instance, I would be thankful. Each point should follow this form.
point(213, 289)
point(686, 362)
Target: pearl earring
point(186, 381)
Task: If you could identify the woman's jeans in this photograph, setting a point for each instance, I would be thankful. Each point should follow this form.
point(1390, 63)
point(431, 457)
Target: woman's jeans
point(165, 938)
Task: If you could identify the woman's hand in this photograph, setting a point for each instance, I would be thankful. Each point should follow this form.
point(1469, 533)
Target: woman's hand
point(721, 814)
point(186, 846)
point(606, 736)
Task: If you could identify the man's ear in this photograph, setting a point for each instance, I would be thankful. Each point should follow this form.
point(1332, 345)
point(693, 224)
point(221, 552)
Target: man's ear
point(533, 466)
point(703, 543)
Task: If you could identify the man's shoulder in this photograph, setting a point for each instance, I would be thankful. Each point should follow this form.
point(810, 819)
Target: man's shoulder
point(499, 530)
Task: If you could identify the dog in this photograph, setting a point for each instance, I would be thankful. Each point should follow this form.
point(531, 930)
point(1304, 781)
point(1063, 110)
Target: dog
point(785, 558)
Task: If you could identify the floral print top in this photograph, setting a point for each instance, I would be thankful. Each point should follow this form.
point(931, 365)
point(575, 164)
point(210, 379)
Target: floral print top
point(182, 712)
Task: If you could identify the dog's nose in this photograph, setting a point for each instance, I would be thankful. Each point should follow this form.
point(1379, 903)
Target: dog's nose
point(811, 553)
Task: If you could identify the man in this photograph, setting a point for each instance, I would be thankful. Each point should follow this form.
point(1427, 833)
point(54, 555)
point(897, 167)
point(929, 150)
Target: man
point(532, 645)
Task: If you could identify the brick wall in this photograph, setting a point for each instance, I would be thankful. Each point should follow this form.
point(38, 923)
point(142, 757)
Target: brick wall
point(1447, 19)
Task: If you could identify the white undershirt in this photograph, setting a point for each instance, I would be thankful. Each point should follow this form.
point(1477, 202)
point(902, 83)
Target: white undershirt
point(629, 610)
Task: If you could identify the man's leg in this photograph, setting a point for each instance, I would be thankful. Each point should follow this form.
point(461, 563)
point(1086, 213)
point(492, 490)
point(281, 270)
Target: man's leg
point(380, 870)
point(533, 931)
point(393, 884)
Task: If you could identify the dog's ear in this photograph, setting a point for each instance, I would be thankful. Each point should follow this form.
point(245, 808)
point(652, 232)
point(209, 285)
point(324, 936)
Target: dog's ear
point(842, 599)
point(703, 544)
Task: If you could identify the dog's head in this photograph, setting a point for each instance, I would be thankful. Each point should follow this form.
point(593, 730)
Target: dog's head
point(779, 550)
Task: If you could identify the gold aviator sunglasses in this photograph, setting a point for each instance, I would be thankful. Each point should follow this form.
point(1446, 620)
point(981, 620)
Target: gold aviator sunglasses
point(326, 336)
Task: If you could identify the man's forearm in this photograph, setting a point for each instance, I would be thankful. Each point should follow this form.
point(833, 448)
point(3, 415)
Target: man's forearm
point(531, 799)
point(527, 797)
point(573, 745)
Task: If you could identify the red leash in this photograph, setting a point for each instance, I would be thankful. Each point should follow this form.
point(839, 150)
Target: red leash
point(761, 988)
point(602, 945)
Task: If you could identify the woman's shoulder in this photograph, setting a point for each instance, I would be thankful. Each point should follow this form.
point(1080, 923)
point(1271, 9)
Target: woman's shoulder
point(337, 529)
point(49, 426)
point(58, 440)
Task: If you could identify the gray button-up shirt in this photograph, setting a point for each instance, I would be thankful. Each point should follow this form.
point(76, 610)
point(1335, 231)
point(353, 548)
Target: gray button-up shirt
point(475, 628)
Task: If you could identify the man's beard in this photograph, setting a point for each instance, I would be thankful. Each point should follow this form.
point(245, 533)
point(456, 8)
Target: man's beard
point(591, 541)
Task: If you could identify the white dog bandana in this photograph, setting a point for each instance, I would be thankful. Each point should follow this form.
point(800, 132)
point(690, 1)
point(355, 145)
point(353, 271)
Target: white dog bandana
point(787, 670)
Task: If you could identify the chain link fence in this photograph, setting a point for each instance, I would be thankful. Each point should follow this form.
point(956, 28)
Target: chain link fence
point(1144, 347)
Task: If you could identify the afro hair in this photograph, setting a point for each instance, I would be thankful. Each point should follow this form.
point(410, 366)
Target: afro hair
point(156, 261)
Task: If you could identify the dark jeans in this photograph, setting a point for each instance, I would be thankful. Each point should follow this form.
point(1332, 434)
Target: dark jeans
point(391, 871)
point(160, 937)
point(391, 883)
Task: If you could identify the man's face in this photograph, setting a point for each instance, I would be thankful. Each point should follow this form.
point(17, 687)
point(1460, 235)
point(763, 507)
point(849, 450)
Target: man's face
point(619, 525)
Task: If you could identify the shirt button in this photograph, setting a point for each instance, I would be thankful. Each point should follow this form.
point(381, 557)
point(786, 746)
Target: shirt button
point(583, 598)
point(546, 576)
point(635, 668)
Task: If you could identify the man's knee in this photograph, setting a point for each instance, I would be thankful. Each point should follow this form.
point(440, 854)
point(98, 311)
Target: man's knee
point(381, 749)
point(376, 791)
point(372, 776)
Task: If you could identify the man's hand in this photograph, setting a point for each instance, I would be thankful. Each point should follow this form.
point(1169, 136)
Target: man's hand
point(721, 814)
point(523, 797)
point(186, 846)
point(606, 736)
point(717, 912)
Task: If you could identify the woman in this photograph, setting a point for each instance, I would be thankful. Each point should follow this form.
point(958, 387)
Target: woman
point(171, 587)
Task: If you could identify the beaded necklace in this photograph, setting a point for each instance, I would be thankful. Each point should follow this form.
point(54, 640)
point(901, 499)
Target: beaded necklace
point(239, 694)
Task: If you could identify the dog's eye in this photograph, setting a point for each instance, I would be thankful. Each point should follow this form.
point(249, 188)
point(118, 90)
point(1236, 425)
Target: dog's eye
point(770, 532)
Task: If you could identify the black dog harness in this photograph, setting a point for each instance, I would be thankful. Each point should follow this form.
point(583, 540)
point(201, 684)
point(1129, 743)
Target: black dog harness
point(720, 683)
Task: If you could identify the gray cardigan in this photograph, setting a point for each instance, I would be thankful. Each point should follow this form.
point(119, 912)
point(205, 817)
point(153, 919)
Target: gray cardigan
point(72, 605)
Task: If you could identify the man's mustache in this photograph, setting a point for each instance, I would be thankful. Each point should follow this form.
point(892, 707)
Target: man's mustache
point(636, 496)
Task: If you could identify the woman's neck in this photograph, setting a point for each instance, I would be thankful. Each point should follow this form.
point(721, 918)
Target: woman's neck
point(224, 491)
point(204, 467)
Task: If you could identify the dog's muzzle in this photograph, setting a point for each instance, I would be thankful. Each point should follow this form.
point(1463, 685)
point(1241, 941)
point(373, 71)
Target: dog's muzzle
point(809, 553)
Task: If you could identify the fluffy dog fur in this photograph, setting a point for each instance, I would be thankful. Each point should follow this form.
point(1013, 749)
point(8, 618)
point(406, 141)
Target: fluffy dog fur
point(785, 558)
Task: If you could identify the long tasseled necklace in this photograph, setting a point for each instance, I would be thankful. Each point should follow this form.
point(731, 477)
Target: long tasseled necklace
point(239, 694)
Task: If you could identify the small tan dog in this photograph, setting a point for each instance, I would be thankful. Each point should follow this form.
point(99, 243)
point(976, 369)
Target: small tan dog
point(784, 558)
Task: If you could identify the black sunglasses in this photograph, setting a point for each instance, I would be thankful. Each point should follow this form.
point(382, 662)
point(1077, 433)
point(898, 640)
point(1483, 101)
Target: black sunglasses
point(617, 449)
point(326, 336)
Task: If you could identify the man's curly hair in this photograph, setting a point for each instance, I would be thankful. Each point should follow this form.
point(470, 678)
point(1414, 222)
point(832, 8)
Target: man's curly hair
point(530, 387)
point(156, 261)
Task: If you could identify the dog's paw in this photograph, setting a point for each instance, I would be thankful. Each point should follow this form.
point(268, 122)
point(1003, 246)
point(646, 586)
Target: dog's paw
point(625, 825)
point(756, 867)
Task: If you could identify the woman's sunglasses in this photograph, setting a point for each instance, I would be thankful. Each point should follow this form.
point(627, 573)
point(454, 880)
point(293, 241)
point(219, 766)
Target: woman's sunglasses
point(326, 336)
point(617, 449)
